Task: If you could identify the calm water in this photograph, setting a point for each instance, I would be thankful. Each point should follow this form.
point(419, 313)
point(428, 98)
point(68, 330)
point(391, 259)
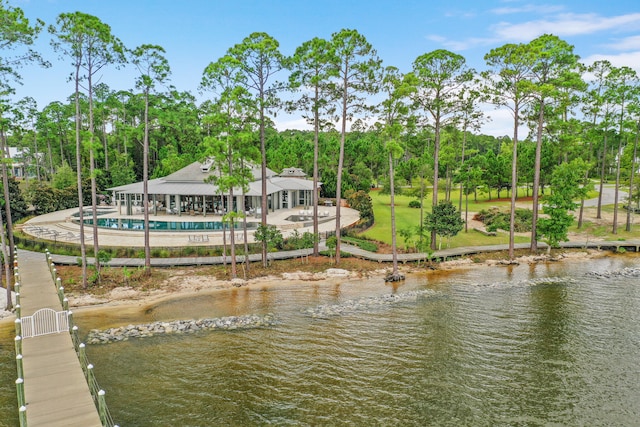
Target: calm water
point(527, 346)
point(138, 224)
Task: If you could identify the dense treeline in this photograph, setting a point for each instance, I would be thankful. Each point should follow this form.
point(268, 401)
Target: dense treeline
point(425, 129)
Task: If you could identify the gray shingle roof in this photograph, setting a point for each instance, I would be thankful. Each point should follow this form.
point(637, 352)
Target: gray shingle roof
point(190, 181)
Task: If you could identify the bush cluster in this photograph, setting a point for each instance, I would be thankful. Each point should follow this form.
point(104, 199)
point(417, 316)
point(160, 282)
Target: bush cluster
point(495, 220)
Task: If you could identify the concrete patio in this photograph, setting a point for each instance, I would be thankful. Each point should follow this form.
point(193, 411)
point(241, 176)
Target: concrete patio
point(62, 226)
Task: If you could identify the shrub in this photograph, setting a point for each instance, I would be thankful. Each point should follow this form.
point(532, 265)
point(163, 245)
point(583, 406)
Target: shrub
point(415, 204)
point(365, 245)
point(494, 219)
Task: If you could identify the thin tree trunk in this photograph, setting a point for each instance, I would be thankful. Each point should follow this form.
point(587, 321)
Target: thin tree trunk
point(514, 183)
point(7, 205)
point(436, 155)
point(617, 188)
point(316, 132)
point(7, 265)
point(145, 183)
point(230, 213)
point(263, 153)
point(94, 187)
point(630, 209)
point(466, 205)
point(602, 175)
point(395, 275)
point(536, 179)
point(83, 248)
point(464, 143)
point(341, 161)
point(244, 229)
point(7, 271)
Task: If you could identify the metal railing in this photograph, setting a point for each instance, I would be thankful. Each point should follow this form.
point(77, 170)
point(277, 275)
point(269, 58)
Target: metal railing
point(97, 393)
point(45, 321)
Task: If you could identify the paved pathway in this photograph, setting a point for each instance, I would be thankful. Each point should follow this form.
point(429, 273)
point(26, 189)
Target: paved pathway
point(61, 227)
point(56, 391)
point(632, 245)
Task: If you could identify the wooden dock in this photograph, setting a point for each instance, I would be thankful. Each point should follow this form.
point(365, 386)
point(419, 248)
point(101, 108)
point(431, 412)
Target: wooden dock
point(56, 391)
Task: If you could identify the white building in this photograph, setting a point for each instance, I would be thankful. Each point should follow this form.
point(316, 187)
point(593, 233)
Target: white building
point(185, 192)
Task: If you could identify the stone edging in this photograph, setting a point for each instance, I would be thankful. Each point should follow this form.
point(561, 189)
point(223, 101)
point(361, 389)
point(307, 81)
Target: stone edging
point(123, 333)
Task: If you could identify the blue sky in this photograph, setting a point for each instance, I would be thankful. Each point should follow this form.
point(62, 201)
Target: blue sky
point(197, 32)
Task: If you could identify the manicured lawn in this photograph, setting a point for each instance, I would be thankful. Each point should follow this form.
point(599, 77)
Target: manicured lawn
point(407, 217)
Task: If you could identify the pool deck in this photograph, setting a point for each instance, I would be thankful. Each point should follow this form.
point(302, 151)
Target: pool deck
point(60, 227)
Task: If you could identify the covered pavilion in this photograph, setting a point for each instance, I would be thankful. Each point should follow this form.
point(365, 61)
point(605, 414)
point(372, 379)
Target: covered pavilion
point(188, 192)
point(185, 193)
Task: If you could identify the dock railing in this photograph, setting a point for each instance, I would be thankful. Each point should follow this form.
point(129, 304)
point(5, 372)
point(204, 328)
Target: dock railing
point(97, 393)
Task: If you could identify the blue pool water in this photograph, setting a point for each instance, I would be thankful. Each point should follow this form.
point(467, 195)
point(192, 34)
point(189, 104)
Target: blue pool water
point(138, 224)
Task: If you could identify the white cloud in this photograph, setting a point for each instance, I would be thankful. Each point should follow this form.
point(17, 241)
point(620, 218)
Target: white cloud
point(628, 59)
point(292, 124)
point(501, 123)
point(460, 45)
point(568, 24)
point(528, 8)
point(628, 43)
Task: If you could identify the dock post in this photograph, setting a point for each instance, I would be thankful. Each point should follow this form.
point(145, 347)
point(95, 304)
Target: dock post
point(19, 366)
point(20, 390)
point(102, 406)
point(90, 378)
point(18, 323)
point(23, 416)
point(82, 355)
point(61, 293)
point(18, 342)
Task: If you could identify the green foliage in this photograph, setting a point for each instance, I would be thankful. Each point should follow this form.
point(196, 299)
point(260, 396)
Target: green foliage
point(415, 204)
point(300, 241)
point(361, 201)
point(64, 177)
point(554, 227)
point(271, 235)
point(494, 219)
point(365, 245)
point(444, 220)
point(386, 186)
point(42, 197)
point(567, 180)
point(18, 204)
point(104, 257)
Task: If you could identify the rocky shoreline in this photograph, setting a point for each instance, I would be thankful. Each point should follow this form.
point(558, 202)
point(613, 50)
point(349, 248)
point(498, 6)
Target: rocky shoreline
point(365, 304)
point(625, 272)
point(124, 333)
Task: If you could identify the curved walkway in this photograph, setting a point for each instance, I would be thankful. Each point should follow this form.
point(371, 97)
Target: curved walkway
point(628, 245)
point(62, 227)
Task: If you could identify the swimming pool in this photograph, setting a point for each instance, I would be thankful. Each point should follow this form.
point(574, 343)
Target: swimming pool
point(154, 225)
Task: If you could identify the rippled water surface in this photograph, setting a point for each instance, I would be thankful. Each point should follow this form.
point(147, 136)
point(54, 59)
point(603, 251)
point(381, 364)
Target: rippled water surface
point(529, 345)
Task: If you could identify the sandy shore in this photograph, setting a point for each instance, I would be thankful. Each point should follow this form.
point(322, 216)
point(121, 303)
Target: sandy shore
point(182, 283)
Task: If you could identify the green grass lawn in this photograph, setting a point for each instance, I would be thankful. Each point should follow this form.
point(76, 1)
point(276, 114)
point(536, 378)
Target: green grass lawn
point(410, 217)
point(407, 217)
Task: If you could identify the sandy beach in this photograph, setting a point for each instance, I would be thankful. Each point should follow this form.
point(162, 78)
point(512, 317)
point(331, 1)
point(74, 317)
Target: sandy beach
point(186, 282)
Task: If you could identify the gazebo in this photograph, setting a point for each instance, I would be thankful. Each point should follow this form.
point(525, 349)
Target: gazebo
point(186, 192)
